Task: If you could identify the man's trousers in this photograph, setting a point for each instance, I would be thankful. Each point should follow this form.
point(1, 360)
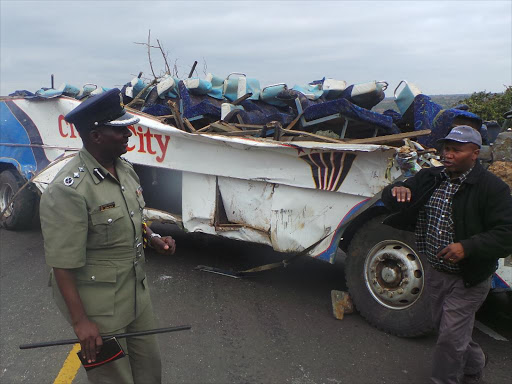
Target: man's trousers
point(142, 365)
point(453, 313)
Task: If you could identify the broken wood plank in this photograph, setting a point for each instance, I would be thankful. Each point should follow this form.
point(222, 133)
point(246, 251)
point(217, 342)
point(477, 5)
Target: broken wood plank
point(240, 99)
point(177, 115)
point(207, 127)
point(253, 126)
point(278, 132)
point(389, 138)
point(224, 127)
point(204, 129)
point(189, 125)
point(292, 124)
point(235, 133)
point(322, 138)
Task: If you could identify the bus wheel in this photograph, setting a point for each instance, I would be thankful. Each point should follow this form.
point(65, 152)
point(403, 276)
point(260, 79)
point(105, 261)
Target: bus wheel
point(385, 276)
point(18, 213)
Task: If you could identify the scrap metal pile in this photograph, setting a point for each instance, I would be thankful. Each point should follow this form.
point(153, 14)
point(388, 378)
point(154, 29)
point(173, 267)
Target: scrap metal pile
point(325, 110)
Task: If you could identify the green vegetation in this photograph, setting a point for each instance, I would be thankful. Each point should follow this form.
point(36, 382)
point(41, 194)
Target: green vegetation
point(490, 106)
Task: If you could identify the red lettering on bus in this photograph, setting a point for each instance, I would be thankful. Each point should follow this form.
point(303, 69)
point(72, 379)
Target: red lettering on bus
point(61, 119)
point(141, 140)
point(132, 129)
point(162, 145)
point(148, 137)
point(71, 128)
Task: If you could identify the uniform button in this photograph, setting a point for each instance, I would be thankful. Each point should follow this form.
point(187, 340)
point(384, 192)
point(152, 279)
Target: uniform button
point(135, 262)
point(132, 213)
point(440, 231)
point(110, 221)
point(122, 188)
point(93, 278)
point(136, 239)
point(442, 215)
point(446, 200)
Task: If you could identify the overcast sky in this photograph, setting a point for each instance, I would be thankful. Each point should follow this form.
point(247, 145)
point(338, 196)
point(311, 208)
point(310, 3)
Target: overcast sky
point(444, 47)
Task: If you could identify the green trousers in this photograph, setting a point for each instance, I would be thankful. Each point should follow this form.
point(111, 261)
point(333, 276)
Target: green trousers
point(142, 365)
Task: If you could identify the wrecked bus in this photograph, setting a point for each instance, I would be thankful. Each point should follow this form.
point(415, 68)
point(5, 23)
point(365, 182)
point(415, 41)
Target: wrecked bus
point(318, 195)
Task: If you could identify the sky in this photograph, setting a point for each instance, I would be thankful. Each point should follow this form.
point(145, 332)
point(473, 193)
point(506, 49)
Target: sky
point(443, 47)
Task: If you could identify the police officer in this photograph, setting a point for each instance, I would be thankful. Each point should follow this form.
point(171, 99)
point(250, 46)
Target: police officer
point(92, 224)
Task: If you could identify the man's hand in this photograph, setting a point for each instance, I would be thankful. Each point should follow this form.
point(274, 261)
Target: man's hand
point(165, 245)
point(90, 339)
point(86, 331)
point(453, 253)
point(402, 194)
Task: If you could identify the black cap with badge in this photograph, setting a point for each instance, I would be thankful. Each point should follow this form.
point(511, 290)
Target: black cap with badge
point(107, 108)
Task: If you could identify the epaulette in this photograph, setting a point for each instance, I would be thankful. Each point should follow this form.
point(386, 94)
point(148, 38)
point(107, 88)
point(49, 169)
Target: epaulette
point(126, 160)
point(73, 179)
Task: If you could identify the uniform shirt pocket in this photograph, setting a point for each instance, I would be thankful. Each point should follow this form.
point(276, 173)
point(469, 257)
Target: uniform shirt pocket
point(96, 285)
point(106, 227)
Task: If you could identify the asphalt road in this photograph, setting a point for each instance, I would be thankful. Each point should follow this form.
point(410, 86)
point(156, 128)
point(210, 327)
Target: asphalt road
point(276, 327)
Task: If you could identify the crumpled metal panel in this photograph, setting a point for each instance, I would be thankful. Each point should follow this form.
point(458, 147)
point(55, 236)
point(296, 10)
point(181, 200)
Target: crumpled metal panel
point(300, 217)
point(247, 202)
point(198, 207)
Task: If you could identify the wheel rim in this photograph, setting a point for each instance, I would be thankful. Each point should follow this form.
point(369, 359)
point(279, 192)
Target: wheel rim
point(6, 194)
point(393, 273)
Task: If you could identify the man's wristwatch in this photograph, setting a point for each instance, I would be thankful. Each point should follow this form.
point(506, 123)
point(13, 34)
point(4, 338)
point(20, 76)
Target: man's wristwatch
point(151, 237)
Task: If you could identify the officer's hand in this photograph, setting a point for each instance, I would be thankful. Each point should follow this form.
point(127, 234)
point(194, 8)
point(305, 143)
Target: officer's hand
point(402, 194)
point(90, 339)
point(165, 245)
point(453, 253)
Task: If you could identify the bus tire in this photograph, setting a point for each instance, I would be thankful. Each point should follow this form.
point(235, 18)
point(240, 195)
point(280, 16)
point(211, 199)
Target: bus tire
point(385, 277)
point(17, 214)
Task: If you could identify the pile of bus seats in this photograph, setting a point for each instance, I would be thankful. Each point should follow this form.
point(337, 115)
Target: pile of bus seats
point(327, 109)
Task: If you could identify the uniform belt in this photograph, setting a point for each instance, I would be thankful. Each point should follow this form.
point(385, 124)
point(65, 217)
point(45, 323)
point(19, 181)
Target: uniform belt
point(121, 253)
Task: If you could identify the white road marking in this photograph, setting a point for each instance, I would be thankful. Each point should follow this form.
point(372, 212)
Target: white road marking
point(485, 329)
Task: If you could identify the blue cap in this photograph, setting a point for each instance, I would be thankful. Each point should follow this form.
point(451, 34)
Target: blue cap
point(463, 134)
point(107, 108)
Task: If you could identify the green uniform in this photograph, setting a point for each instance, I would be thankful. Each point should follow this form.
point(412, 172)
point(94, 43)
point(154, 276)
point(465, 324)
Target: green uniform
point(92, 225)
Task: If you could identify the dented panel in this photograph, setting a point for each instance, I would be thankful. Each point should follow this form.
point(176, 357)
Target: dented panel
point(198, 207)
point(247, 202)
point(300, 217)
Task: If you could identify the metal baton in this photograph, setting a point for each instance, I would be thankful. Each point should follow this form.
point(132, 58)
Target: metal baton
point(118, 335)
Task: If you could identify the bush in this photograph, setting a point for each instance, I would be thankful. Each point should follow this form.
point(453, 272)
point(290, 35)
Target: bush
point(490, 106)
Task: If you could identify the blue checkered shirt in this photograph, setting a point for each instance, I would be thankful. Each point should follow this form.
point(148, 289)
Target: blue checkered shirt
point(434, 228)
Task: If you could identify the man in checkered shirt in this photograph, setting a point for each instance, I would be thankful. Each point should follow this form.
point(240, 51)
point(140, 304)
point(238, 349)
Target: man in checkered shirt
point(462, 218)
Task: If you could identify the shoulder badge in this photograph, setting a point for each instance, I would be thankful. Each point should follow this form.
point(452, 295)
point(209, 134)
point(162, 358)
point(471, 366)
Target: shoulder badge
point(68, 181)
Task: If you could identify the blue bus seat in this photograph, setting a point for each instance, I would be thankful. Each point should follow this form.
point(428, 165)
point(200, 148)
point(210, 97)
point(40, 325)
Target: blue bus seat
point(195, 107)
point(217, 83)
